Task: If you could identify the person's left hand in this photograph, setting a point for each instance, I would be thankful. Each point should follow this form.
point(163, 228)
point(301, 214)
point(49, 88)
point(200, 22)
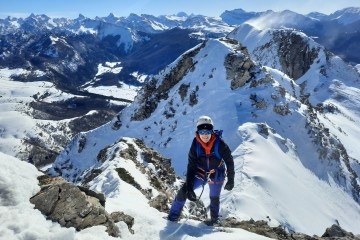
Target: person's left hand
point(229, 185)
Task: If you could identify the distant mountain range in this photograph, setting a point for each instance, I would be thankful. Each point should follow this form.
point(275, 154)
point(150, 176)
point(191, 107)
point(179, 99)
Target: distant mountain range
point(339, 32)
point(109, 58)
point(145, 43)
point(94, 97)
point(96, 58)
point(289, 109)
point(68, 51)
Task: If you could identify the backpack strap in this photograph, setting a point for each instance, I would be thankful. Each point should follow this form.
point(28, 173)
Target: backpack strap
point(198, 149)
point(216, 147)
point(217, 143)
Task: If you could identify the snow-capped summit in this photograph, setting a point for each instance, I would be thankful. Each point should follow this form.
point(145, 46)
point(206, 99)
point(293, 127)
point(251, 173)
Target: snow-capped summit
point(182, 14)
point(37, 23)
point(289, 109)
point(81, 17)
point(346, 15)
point(237, 16)
point(111, 18)
point(286, 18)
point(277, 128)
point(317, 15)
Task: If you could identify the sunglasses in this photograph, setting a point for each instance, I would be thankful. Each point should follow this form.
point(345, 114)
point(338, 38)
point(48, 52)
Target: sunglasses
point(207, 132)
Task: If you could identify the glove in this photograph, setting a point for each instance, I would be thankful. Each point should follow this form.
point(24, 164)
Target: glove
point(229, 185)
point(191, 195)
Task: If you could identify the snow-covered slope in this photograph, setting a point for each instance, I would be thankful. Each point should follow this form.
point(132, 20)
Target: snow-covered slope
point(268, 166)
point(346, 15)
point(237, 16)
point(291, 120)
point(280, 142)
point(37, 120)
point(17, 125)
point(19, 219)
point(338, 32)
point(325, 81)
point(287, 18)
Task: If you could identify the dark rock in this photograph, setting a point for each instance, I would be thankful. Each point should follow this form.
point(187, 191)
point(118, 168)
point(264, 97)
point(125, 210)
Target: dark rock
point(262, 228)
point(282, 109)
point(160, 202)
point(82, 142)
point(336, 232)
point(183, 89)
point(120, 216)
point(295, 55)
point(239, 67)
point(65, 203)
point(99, 196)
point(91, 175)
point(151, 94)
point(127, 177)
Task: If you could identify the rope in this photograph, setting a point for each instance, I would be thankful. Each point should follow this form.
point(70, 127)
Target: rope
point(188, 216)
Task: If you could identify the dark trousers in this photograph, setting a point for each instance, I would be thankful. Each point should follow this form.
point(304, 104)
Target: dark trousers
point(180, 199)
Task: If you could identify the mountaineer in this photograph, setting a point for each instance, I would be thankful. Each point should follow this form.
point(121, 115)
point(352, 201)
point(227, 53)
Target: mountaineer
point(209, 162)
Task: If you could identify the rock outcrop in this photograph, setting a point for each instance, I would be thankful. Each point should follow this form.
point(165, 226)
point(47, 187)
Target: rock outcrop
point(73, 206)
point(335, 232)
point(151, 94)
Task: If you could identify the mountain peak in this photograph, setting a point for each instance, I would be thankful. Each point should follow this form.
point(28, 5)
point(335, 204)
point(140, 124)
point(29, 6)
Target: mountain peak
point(287, 11)
point(32, 15)
point(346, 15)
point(317, 15)
point(182, 14)
point(81, 17)
point(111, 18)
point(352, 10)
point(237, 11)
point(237, 16)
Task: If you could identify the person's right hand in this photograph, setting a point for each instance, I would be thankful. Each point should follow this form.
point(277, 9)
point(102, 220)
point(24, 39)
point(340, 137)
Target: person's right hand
point(191, 195)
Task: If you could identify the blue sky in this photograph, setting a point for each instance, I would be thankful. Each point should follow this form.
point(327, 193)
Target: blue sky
point(102, 8)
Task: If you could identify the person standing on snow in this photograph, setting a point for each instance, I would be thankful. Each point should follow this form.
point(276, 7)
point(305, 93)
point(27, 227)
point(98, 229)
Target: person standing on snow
point(207, 155)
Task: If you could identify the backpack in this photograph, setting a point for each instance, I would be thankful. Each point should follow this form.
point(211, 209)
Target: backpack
point(218, 134)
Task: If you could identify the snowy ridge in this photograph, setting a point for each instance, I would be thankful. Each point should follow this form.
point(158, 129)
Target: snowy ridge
point(329, 83)
point(18, 213)
point(293, 128)
point(265, 48)
point(304, 196)
point(271, 98)
point(346, 15)
point(237, 16)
